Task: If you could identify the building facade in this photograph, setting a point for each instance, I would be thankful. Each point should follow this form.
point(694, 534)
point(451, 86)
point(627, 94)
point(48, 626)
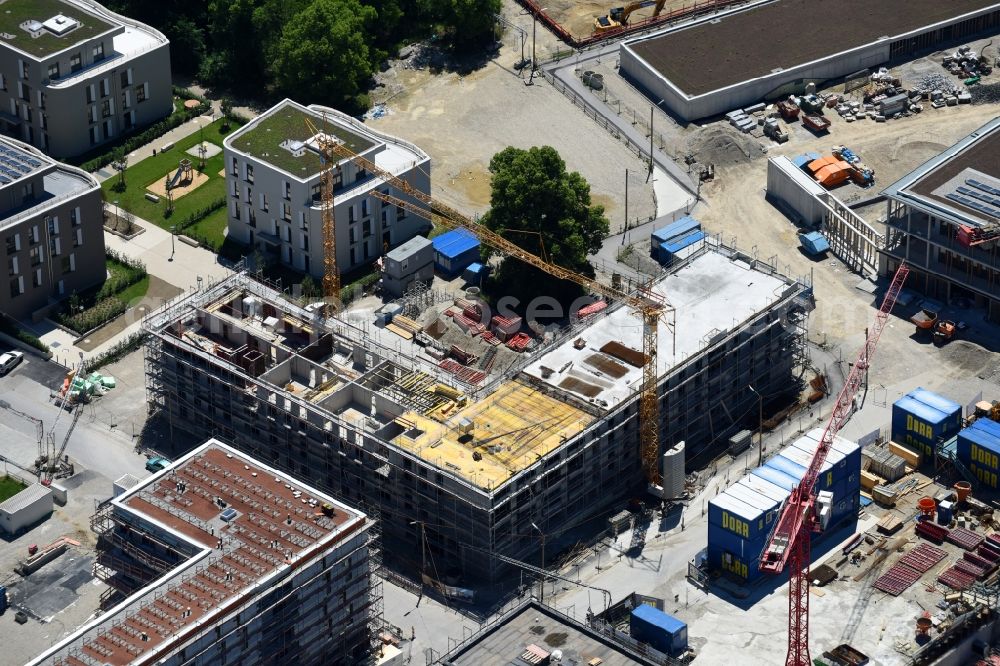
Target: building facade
point(220, 559)
point(943, 219)
point(461, 464)
point(51, 226)
point(74, 75)
point(274, 173)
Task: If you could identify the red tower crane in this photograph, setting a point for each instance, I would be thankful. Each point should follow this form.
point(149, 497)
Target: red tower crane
point(788, 544)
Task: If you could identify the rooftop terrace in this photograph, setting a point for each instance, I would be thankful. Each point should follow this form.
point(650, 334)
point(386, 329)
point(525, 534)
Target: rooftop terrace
point(15, 12)
point(783, 34)
point(250, 522)
point(263, 138)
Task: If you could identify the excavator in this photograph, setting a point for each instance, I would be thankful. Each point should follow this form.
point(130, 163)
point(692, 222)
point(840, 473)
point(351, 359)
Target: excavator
point(618, 16)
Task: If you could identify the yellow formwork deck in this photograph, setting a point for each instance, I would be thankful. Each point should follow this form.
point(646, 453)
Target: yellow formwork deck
point(511, 429)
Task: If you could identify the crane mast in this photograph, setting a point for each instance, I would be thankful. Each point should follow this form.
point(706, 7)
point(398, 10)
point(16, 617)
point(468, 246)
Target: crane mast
point(331, 274)
point(788, 544)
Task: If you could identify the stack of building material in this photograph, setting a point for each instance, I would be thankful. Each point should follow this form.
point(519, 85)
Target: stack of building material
point(407, 324)
point(885, 464)
point(464, 374)
point(889, 524)
point(884, 495)
point(519, 342)
point(912, 458)
point(869, 480)
point(931, 532)
point(956, 579)
point(964, 538)
point(505, 327)
point(591, 309)
point(897, 579)
point(741, 121)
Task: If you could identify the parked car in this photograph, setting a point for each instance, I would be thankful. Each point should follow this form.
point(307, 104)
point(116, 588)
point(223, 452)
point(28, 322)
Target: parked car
point(9, 361)
point(156, 464)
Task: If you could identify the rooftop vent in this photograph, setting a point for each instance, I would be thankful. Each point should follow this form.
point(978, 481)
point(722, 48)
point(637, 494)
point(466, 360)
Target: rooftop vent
point(59, 24)
point(295, 147)
point(33, 28)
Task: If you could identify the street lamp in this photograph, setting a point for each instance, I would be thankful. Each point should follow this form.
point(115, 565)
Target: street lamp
point(173, 232)
point(760, 425)
point(541, 597)
point(534, 29)
point(115, 202)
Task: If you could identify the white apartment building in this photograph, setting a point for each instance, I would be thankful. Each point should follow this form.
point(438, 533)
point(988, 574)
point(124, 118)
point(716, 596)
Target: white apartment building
point(273, 176)
point(74, 75)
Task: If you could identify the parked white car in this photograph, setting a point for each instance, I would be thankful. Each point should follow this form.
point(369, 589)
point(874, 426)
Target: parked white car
point(9, 361)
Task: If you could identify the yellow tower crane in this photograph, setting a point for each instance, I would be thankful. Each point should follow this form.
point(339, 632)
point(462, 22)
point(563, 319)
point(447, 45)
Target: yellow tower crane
point(331, 274)
point(649, 305)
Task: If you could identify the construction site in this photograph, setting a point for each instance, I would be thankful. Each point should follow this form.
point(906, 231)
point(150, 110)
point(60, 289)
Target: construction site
point(546, 431)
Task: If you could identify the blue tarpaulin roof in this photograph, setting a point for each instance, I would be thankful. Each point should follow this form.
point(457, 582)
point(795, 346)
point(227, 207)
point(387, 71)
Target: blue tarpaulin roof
point(934, 400)
point(454, 243)
point(789, 467)
point(474, 267)
point(803, 160)
point(777, 477)
point(658, 618)
point(921, 410)
point(677, 244)
point(682, 226)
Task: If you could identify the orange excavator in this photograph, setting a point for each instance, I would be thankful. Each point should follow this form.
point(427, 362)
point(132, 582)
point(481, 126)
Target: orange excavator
point(617, 17)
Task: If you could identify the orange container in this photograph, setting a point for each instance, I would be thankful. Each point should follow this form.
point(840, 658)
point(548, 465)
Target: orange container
point(927, 506)
point(964, 489)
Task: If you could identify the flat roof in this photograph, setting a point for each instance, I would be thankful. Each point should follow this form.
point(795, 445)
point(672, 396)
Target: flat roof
point(248, 521)
point(543, 630)
point(15, 12)
point(712, 295)
point(286, 121)
point(720, 52)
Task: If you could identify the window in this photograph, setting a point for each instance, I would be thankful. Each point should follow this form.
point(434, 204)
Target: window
point(75, 62)
point(74, 217)
point(236, 211)
point(28, 190)
point(41, 99)
point(236, 167)
point(106, 108)
point(249, 195)
point(236, 190)
point(44, 120)
point(24, 69)
point(67, 264)
point(53, 224)
point(25, 92)
point(54, 70)
point(140, 93)
point(288, 190)
point(263, 202)
point(367, 228)
point(249, 173)
point(350, 213)
point(35, 255)
point(16, 287)
point(105, 88)
point(305, 242)
point(400, 213)
point(124, 78)
point(3, 82)
point(54, 247)
point(98, 51)
point(12, 267)
point(364, 207)
point(317, 192)
point(338, 178)
point(78, 238)
point(286, 212)
point(93, 135)
point(13, 243)
point(34, 237)
point(360, 175)
point(36, 278)
point(91, 94)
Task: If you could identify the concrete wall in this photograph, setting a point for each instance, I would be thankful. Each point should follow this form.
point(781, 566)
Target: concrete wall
point(792, 187)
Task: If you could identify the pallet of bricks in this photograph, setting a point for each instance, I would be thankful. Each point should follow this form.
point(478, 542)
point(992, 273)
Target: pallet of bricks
point(468, 317)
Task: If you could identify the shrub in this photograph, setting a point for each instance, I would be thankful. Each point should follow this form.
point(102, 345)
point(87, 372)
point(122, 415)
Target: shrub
point(11, 328)
point(117, 351)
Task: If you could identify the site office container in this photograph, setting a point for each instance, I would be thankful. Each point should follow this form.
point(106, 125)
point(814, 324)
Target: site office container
point(659, 630)
point(921, 418)
point(794, 462)
point(978, 447)
point(735, 515)
point(776, 477)
point(734, 555)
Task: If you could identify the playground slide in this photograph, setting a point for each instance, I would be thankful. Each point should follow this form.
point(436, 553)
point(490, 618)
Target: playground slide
point(177, 177)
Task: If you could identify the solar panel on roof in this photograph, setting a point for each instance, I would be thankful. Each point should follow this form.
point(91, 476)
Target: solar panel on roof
point(5, 180)
point(985, 187)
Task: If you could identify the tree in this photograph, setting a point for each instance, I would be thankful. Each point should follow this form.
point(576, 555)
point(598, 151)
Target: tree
point(472, 22)
point(120, 163)
point(535, 199)
point(323, 52)
point(309, 288)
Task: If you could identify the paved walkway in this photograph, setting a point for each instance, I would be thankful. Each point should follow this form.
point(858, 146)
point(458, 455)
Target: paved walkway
point(173, 136)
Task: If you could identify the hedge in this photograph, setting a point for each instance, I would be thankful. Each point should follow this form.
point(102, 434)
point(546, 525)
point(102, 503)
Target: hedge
point(11, 328)
point(200, 214)
point(117, 352)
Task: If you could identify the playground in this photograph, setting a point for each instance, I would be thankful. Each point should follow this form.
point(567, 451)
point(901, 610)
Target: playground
point(185, 179)
point(193, 190)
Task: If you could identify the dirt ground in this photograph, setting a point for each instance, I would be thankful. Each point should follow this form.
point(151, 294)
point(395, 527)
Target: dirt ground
point(578, 17)
point(461, 121)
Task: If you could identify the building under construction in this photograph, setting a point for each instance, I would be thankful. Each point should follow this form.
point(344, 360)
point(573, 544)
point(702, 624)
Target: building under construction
point(468, 464)
point(221, 559)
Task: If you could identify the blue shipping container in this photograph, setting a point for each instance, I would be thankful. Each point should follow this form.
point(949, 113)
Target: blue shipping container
point(736, 516)
point(454, 250)
point(681, 227)
point(657, 629)
point(980, 443)
point(921, 418)
point(735, 557)
point(776, 476)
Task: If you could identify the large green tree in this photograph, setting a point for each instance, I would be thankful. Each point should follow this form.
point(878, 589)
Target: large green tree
point(323, 52)
point(471, 22)
point(536, 203)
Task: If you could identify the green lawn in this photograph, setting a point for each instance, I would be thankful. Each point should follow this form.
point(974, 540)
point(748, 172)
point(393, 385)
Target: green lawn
point(134, 292)
point(154, 169)
point(9, 487)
